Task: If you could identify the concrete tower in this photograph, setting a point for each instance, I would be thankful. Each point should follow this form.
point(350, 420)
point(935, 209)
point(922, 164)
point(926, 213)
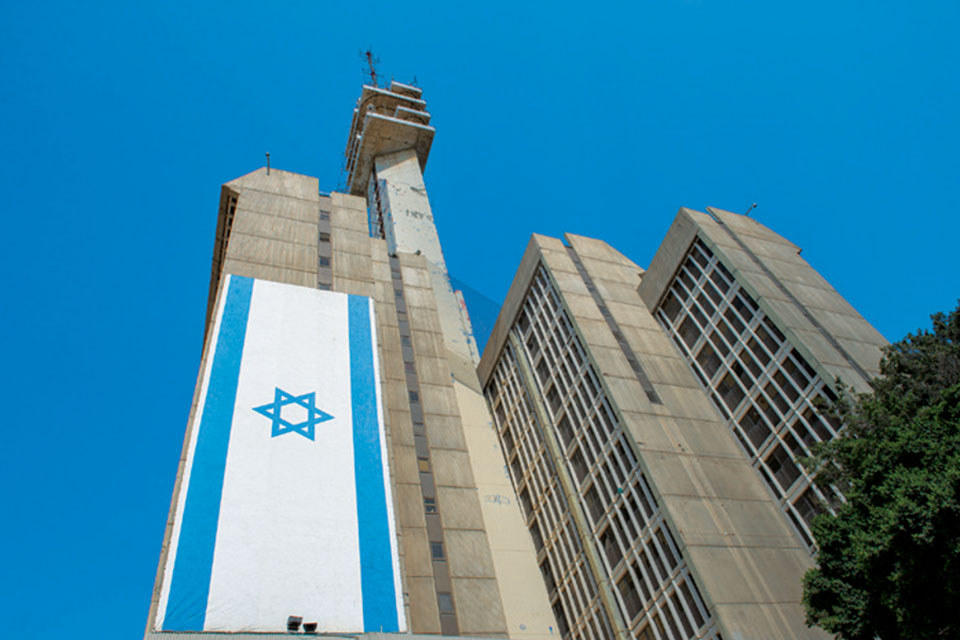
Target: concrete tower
point(303, 285)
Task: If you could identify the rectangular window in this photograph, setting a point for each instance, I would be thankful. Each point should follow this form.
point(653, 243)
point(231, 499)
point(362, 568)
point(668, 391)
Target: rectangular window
point(430, 505)
point(709, 360)
point(436, 550)
point(808, 506)
point(795, 373)
point(579, 464)
point(324, 261)
point(548, 575)
point(718, 280)
point(324, 236)
point(786, 386)
point(592, 498)
point(730, 391)
point(537, 536)
point(782, 467)
point(734, 321)
point(692, 604)
point(754, 427)
point(445, 602)
point(671, 306)
point(562, 626)
point(609, 543)
point(768, 339)
point(689, 331)
point(628, 591)
point(553, 398)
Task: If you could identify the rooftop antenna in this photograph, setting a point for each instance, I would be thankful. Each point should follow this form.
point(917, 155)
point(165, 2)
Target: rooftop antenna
point(268, 163)
point(752, 207)
point(372, 62)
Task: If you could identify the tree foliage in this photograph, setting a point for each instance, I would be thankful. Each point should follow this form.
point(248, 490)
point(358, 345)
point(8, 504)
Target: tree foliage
point(888, 564)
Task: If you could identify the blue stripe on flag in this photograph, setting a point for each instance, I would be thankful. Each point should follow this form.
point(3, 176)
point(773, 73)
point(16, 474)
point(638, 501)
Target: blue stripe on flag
point(190, 585)
point(376, 558)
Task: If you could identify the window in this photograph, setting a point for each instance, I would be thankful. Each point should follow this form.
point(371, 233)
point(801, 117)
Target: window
point(324, 236)
point(592, 498)
point(808, 506)
point(548, 575)
point(689, 332)
point(754, 426)
point(430, 505)
point(324, 261)
point(445, 602)
point(730, 391)
point(579, 464)
point(628, 591)
point(436, 550)
point(562, 626)
point(324, 215)
point(782, 467)
point(671, 306)
point(609, 543)
point(537, 536)
point(709, 360)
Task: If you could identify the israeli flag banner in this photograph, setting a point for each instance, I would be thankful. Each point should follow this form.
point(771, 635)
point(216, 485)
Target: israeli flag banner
point(284, 506)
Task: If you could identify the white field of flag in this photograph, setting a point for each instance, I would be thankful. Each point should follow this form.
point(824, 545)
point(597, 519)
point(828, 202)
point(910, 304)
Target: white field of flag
point(285, 505)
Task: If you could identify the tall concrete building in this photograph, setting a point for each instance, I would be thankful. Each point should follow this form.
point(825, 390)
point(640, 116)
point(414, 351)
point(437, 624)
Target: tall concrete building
point(340, 471)
point(622, 462)
point(653, 420)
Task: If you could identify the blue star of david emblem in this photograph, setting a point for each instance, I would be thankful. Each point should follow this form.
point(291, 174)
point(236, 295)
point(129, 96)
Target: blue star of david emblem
point(273, 410)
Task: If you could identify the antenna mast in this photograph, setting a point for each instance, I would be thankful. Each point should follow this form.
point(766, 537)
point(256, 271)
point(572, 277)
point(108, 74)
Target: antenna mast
point(372, 62)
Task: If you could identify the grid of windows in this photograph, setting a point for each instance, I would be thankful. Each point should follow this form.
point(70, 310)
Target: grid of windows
point(656, 595)
point(760, 383)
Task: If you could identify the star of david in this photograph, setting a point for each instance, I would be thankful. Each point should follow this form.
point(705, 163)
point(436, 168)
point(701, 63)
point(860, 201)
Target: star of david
point(273, 410)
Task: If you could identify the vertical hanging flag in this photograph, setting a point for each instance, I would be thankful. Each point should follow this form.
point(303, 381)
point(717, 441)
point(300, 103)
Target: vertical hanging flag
point(284, 504)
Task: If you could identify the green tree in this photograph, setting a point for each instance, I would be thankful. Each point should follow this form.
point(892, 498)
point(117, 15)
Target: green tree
point(888, 564)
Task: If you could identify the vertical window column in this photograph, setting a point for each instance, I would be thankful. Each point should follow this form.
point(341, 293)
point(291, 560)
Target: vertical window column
point(375, 207)
point(428, 489)
point(324, 251)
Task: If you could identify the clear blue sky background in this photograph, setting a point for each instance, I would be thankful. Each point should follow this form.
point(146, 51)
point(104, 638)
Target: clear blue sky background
point(120, 121)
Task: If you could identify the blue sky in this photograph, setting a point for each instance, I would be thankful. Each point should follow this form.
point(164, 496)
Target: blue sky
point(120, 121)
